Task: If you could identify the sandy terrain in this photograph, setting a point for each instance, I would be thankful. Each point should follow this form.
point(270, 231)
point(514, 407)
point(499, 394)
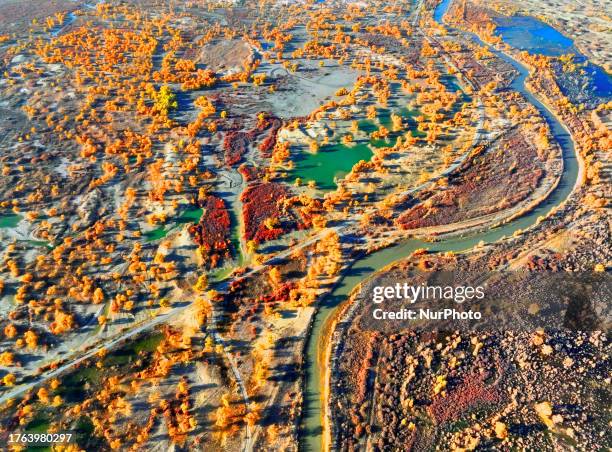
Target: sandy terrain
point(306, 91)
point(15, 14)
point(226, 57)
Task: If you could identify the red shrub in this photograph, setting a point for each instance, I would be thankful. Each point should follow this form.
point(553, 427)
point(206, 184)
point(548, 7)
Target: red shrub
point(213, 231)
point(259, 202)
point(469, 394)
point(250, 173)
point(235, 144)
point(269, 142)
point(281, 294)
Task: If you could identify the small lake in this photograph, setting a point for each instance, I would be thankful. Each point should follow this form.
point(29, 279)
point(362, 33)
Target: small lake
point(330, 163)
point(536, 37)
point(334, 161)
point(533, 35)
point(441, 10)
point(191, 215)
point(9, 221)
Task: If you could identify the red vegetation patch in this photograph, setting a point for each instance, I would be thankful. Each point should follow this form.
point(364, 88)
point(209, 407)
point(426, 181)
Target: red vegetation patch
point(280, 295)
point(260, 202)
point(470, 393)
point(212, 233)
point(266, 146)
point(363, 374)
point(489, 183)
point(235, 145)
point(250, 173)
point(306, 218)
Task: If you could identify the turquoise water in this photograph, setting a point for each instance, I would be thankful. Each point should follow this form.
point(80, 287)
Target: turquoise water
point(9, 221)
point(191, 215)
point(330, 163)
point(155, 234)
point(334, 161)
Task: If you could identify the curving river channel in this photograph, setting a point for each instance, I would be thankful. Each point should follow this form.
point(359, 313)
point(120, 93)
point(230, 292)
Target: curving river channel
point(311, 427)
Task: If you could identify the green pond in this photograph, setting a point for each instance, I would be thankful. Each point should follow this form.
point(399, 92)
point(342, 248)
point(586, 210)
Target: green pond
point(155, 234)
point(9, 221)
point(334, 161)
point(129, 353)
point(39, 424)
point(83, 428)
point(329, 163)
point(191, 215)
point(74, 385)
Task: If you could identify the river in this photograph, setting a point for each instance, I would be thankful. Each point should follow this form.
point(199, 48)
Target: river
point(311, 428)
